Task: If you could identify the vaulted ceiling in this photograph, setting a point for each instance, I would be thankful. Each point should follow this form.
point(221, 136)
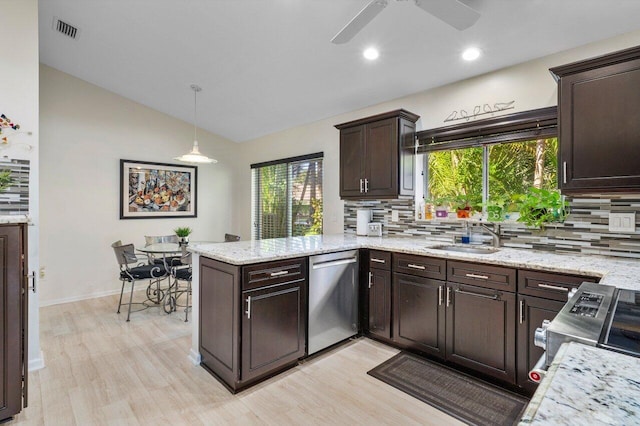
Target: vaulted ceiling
point(267, 65)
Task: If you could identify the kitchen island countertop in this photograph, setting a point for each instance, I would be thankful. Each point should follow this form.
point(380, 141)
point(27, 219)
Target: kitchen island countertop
point(587, 385)
point(614, 271)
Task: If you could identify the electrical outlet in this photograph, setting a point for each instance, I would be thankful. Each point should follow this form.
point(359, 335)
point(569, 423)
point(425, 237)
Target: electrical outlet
point(41, 273)
point(622, 222)
point(395, 216)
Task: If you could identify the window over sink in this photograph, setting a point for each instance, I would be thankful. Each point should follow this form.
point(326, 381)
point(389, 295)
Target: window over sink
point(286, 197)
point(490, 160)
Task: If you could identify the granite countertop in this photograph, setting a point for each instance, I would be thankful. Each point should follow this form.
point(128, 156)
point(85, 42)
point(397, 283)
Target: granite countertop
point(18, 218)
point(587, 385)
point(618, 272)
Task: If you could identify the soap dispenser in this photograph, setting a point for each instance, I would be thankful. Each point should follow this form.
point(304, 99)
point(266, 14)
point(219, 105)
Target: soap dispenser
point(466, 235)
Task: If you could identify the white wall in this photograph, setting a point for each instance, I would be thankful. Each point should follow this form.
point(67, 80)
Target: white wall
point(86, 131)
point(19, 101)
point(529, 84)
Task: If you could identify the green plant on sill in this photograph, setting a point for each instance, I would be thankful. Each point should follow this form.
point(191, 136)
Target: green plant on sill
point(183, 231)
point(5, 179)
point(541, 206)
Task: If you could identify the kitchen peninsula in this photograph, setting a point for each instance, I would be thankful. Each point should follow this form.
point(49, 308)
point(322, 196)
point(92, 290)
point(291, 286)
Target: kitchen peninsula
point(616, 272)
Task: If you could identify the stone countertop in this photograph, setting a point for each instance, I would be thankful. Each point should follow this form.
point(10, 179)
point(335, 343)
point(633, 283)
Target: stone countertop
point(18, 218)
point(587, 385)
point(614, 271)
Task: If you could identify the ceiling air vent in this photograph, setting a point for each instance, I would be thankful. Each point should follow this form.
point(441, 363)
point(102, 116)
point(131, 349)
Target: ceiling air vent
point(65, 28)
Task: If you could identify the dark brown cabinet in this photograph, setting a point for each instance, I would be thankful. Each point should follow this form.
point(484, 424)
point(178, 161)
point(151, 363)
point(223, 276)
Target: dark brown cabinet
point(377, 157)
point(541, 296)
point(379, 300)
point(13, 302)
point(598, 106)
point(481, 331)
point(252, 318)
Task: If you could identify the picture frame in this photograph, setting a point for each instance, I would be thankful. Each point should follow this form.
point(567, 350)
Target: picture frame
point(157, 190)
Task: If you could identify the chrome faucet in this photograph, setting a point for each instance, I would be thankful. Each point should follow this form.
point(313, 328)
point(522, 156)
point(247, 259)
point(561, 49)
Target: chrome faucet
point(495, 233)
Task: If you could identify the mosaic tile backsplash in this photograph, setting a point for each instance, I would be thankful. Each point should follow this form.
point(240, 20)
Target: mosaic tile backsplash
point(586, 229)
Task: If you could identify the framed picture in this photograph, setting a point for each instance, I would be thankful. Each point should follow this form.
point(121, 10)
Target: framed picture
point(157, 190)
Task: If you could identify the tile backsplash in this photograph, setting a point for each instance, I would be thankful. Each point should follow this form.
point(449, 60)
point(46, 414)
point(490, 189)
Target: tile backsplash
point(586, 229)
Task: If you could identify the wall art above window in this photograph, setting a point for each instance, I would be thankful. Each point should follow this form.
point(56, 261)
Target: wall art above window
point(157, 190)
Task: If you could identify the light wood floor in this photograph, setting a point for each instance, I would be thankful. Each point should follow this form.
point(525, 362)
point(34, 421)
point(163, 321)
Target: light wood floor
point(103, 370)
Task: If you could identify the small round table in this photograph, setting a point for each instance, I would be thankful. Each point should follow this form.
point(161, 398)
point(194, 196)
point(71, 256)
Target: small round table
point(165, 249)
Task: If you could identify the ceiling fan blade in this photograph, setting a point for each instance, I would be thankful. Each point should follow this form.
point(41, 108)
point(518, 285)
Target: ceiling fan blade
point(359, 21)
point(452, 12)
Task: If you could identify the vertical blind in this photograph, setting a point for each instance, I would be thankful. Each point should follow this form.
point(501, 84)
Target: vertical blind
point(286, 198)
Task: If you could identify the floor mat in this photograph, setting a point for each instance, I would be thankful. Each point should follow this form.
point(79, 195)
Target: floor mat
point(457, 394)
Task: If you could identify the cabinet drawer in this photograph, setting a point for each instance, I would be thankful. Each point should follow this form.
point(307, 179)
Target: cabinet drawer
point(380, 260)
point(428, 267)
point(494, 277)
point(271, 273)
point(549, 285)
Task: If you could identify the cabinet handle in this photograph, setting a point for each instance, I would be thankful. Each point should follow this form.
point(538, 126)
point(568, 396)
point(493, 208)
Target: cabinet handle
point(413, 266)
point(439, 295)
point(482, 277)
point(248, 311)
point(373, 259)
point(553, 287)
point(564, 172)
point(484, 296)
point(448, 296)
point(366, 185)
point(370, 279)
point(32, 276)
point(521, 311)
point(361, 186)
point(277, 274)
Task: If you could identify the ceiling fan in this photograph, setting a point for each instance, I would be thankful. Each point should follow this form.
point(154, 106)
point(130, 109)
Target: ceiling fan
point(452, 12)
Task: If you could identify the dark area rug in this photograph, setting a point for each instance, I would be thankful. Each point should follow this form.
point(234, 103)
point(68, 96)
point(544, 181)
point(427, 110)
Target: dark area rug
point(464, 397)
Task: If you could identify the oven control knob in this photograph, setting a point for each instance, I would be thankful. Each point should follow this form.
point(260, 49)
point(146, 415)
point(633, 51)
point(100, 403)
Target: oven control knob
point(540, 335)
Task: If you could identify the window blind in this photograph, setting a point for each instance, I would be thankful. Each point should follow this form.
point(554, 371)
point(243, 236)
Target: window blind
point(286, 197)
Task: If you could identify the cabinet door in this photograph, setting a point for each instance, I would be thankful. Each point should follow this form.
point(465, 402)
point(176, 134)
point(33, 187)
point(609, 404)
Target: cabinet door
point(11, 288)
point(273, 329)
point(598, 132)
point(531, 312)
point(481, 330)
point(219, 319)
point(381, 158)
point(380, 302)
point(352, 162)
point(419, 313)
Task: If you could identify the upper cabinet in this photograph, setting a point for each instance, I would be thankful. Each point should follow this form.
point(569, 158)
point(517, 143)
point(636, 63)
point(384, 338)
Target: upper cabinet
point(377, 156)
point(599, 120)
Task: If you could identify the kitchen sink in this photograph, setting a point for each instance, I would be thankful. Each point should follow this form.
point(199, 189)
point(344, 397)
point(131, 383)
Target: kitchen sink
point(467, 249)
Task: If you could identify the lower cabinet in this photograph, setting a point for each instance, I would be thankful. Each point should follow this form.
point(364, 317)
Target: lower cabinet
point(380, 302)
point(531, 312)
point(13, 322)
point(252, 318)
point(481, 331)
point(419, 314)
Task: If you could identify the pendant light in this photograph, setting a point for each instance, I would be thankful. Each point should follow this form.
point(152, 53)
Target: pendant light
point(195, 156)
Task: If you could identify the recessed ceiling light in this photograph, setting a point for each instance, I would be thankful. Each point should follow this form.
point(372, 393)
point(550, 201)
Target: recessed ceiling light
point(471, 54)
point(371, 53)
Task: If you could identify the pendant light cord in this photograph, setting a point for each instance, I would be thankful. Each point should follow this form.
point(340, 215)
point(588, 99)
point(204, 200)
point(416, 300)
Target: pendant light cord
point(195, 89)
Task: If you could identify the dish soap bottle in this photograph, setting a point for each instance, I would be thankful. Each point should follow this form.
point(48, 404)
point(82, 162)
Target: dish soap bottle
point(466, 235)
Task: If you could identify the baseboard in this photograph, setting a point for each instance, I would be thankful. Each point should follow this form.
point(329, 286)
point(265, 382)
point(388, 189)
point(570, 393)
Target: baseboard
point(37, 363)
point(83, 297)
point(194, 357)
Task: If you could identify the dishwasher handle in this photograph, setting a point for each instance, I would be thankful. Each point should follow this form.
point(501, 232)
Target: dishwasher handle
point(330, 263)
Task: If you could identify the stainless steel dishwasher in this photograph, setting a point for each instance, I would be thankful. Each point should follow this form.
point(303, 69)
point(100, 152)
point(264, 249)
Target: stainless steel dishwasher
point(333, 299)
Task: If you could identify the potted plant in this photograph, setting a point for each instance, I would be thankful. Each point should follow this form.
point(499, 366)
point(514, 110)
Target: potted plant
point(440, 206)
point(496, 208)
point(183, 234)
point(541, 206)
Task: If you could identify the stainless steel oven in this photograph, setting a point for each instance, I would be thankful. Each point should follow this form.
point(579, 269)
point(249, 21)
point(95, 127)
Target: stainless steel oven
point(596, 315)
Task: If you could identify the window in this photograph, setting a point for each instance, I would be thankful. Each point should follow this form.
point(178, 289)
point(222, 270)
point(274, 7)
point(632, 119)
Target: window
point(287, 197)
point(491, 159)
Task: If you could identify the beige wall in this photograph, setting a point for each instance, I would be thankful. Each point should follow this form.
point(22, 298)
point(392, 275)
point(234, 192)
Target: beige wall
point(19, 101)
point(86, 131)
point(530, 85)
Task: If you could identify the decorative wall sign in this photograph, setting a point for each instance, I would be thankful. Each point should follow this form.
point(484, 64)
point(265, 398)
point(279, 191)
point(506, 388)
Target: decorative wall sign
point(477, 110)
point(157, 190)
